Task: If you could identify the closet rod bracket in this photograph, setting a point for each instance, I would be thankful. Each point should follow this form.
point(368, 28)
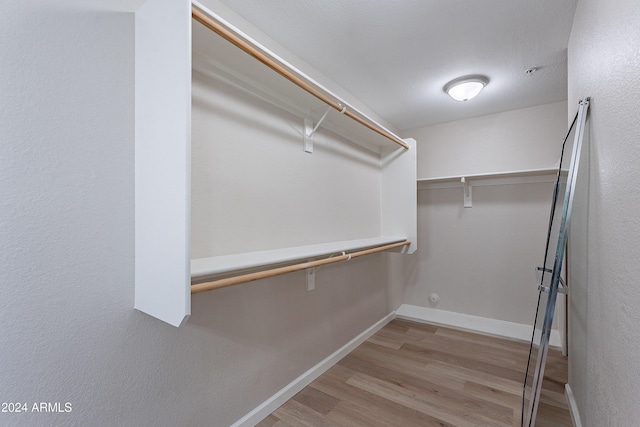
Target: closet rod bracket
point(310, 276)
point(468, 202)
point(310, 129)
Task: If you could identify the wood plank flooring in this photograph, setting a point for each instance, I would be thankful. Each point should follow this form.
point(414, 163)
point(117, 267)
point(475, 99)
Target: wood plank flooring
point(415, 374)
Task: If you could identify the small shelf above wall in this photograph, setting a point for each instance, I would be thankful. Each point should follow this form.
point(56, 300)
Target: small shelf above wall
point(467, 182)
point(490, 178)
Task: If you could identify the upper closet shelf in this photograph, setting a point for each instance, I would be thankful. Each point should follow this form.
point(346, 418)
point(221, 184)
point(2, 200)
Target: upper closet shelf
point(223, 52)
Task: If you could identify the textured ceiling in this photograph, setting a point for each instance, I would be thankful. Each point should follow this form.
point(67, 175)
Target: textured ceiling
point(396, 55)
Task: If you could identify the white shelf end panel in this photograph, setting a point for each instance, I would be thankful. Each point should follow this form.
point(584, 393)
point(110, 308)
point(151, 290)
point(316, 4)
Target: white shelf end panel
point(162, 159)
point(399, 204)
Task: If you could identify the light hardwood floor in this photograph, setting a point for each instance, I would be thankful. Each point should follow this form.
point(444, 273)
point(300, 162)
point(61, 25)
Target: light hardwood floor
point(415, 374)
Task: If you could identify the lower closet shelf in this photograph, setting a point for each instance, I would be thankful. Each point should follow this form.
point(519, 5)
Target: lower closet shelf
point(276, 262)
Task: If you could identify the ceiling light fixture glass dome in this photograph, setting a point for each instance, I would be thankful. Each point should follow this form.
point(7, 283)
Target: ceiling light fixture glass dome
point(466, 88)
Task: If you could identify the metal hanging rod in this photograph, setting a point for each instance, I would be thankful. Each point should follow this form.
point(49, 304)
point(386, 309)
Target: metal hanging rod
point(230, 33)
point(236, 280)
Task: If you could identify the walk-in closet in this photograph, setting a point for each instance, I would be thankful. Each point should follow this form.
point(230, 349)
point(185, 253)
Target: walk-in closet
point(332, 213)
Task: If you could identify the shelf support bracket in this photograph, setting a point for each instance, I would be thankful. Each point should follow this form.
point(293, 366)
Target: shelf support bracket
point(468, 202)
point(310, 129)
point(310, 275)
point(308, 136)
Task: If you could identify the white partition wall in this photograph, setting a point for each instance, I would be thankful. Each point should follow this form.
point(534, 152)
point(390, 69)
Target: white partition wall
point(399, 208)
point(162, 158)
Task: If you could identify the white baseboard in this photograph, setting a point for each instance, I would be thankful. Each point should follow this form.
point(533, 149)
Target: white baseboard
point(275, 401)
point(573, 406)
point(499, 328)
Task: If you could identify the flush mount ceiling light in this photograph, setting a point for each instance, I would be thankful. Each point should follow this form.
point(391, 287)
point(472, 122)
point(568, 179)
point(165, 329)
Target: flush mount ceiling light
point(466, 88)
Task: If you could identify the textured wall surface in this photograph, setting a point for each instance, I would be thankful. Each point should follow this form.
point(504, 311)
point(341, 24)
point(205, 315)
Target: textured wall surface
point(604, 364)
point(513, 140)
point(481, 260)
point(254, 188)
point(70, 333)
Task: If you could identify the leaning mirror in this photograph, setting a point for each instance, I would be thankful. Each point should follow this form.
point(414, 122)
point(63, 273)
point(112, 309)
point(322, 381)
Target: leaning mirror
point(550, 281)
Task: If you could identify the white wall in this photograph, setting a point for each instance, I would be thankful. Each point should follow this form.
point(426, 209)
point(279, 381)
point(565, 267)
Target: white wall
point(481, 260)
point(514, 140)
point(70, 333)
point(604, 339)
point(254, 188)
